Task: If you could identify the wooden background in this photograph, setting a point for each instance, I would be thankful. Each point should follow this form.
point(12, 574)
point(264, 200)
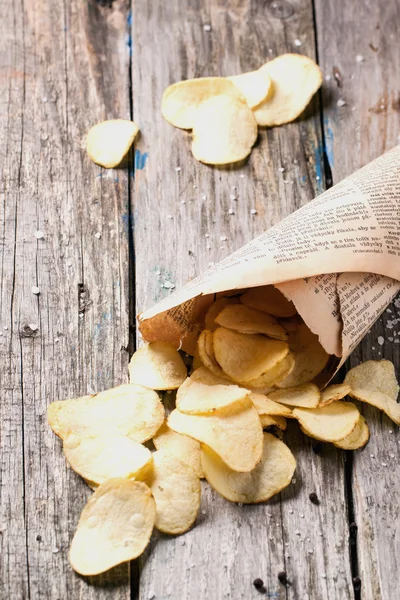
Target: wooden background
point(114, 240)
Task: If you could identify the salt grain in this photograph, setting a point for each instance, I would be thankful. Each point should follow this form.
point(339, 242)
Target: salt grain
point(318, 178)
point(97, 235)
point(298, 43)
point(169, 217)
point(253, 211)
point(310, 551)
point(207, 235)
point(291, 511)
point(328, 77)
point(390, 430)
point(232, 197)
point(372, 455)
point(39, 234)
point(281, 169)
point(33, 327)
point(391, 455)
point(211, 264)
point(35, 290)
point(183, 201)
point(241, 176)
point(177, 169)
point(384, 464)
point(381, 340)
point(297, 532)
point(223, 238)
point(207, 27)
point(359, 58)
point(195, 187)
point(55, 550)
point(231, 211)
point(341, 102)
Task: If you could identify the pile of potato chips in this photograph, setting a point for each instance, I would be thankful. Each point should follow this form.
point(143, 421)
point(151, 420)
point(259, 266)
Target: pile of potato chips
point(224, 112)
point(256, 366)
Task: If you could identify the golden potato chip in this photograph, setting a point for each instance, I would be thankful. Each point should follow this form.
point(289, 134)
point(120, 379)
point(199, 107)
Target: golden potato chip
point(245, 319)
point(176, 490)
point(158, 366)
point(244, 357)
point(224, 131)
point(254, 86)
point(205, 346)
point(295, 79)
point(270, 476)
point(198, 398)
point(272, 377)
point(310, 357)
point(357, 438)
point(182, 446)
point(266, 406)
point(269, 299)
point(181, 100)
point(108, 142)
point(105, 457)
point(215, 309)
point(306, 395)
point(203, 375)
point(115, 526)
point(330, 423)
point(336, 391)
point(235, 434)
point(130, 410)
point(374, 382)
point(273, 421)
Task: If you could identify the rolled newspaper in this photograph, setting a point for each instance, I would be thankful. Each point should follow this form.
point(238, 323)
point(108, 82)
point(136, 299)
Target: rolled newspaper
point(337, 259)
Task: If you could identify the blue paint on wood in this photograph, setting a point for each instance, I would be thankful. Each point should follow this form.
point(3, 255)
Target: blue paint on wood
point(329, 143)
point(140, 159)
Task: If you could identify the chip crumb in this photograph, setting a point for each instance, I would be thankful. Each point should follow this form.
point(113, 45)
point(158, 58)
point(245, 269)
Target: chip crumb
point(253, 211)
point(97, 235)
point(35, 290)
point(168, 285)
point(207, 27)
point(341, 102)
point(298, 43)
point(359, 58)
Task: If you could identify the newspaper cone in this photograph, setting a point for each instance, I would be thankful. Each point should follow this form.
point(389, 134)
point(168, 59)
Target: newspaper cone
point(337, 259)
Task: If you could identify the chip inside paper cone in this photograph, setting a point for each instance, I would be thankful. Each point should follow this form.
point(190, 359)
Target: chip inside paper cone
point(158, 366)
point(108, 142)
point(254, 86)
point(334, 392)
point(272, 474)
point(330, 423)
point(115, 526)
point(245, 319)
point(269, 299)
point(295, 79)
point(275, 375)
point(215, 309)
point(205, 346)
point(306, 396)
point(198, 398)
point(375, 383)
point(182, 446)
point(357, 438)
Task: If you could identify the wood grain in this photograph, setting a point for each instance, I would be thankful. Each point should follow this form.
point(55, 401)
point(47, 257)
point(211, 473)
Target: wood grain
point(359, 45)
point(181, 223)
point(63, 67)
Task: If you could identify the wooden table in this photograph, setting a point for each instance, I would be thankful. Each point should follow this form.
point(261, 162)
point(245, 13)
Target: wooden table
point(112, 240)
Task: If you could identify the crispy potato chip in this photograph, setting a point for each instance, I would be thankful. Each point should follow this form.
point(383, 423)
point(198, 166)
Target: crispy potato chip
point(108, 142)
point(266, 406)
point(306, 396)
point(330, 423)
point(130, 410)
point(310, 357)
point(205, 346)
point(234, 434)
point(196, 361)
point(245, 319)
point(357, 438)
point(336, 391)
point(269, 299)
point(273, 421)
point(176, 490)
point(203, 375)
point(224, 131)
point(181, 100)
point(214, 310)
point(244, 357)
point(198, 398)
point(105, 457)
point(254, 86)
point(295, 79)
point(158, 366)
point(375, 382)
point(272, 377)
point(182, 446)
point(115, 526)
point(270, 476)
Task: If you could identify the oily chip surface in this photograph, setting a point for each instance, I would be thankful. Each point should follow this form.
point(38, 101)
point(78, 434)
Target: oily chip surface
point(158, 366)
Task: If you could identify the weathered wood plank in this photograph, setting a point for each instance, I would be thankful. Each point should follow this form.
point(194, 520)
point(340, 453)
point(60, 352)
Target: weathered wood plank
point(181, 222)
point(63, 67)
point(360, 47)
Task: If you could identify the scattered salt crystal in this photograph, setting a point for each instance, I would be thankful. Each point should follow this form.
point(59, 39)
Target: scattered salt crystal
point(151, 596)
point(285, 180)
point(35, 290)
point(208, 246)
point(253, 211)
point(44, 99)
point(384, 464)
point(183, 201)
point(321, 533)
point(97, 235)
point(183, 542)
point(359, 58)
point(203, 512)
point(241, 176)
point(158, 272)
point(298, 43)
point(231, 211)
point(207, 27)
point(1, 333)
point(297, 532)
point(381, 340)
point(211, 264)
point(281, 169)
point(372, 347)
point(390, 339)
point(204, 197)
point(328, 77)
point(391, 455)
point(388, 310)
point(39, 234)
point(318, 178)
point(341, 102)
point(69, 263)
point(310, 551)
point(55, 550)
point(397, 341)
point(286, 544)
point(232, 197)
point(207, 235)
point(223, 238)
point(302, 516)
point(240, 503)
point(291, 511)
point(169, 217)
point(33, 326)
point(5, 327)
point(195, 187)
point(323, 576)
point(372, 455)
point(177, 169)
point(234, 187)
point(81, 315)
point(390, 430)
point(168, 285)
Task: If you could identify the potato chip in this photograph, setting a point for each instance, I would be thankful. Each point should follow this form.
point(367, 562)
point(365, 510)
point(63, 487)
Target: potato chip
point(115, 526)
point(108, 142)
point(295, 79)
point(330, 423)
point(105, 457)
point(198, 398)
point(205, 346)
point(272, 377)
point(196, 361)
point(130, 410)
point(270, 476)
point(306, 396)
point(214, 310)
point(357, 438)
point(273, 421)
point(266, 406)
point(374, 382)
point(244, 357)
point(203, 375)
point(234, 434)
point(176, 490)
point(158, 366)
point(245, 319)
point(181, 100)
point(224, 131)
point(182, 446)
point(310, 357)
point(254, 86)
point(334, 392)
point(269, 299)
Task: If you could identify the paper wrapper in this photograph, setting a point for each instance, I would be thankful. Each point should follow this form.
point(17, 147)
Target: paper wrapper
point(337, 259)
